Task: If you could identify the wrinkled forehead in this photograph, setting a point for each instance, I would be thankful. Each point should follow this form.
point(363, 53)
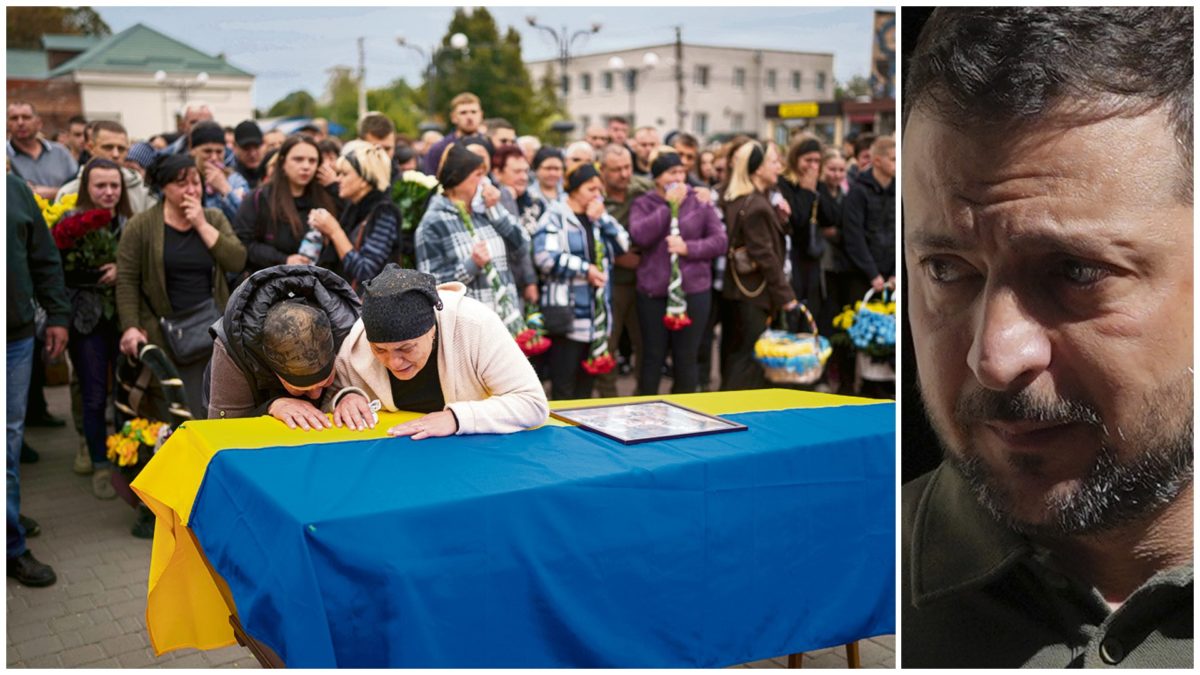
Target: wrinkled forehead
point(1114, 158)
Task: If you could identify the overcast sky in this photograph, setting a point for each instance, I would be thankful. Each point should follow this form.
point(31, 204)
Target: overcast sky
point(291, 48)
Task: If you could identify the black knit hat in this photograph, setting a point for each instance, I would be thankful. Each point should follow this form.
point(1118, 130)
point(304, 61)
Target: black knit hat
point(664, 162)
point(399, 304)
point(207, 132)
point(458, 163)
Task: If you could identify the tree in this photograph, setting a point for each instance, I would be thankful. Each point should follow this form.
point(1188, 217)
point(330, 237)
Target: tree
point(27, 25)
point(341, 98)
point(547, 106)
point(400, 103)
point(858, 85)
point(296, 104)
point(492, 69)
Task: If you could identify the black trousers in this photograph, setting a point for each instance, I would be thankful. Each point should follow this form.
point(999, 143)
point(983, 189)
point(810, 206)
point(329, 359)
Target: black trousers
point(684, 344)
point(741, 326)
point(715, 314)
point(568, 379)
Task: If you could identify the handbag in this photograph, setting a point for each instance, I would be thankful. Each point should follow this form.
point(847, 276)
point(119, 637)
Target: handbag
point(741, 263)
point(186, 332)
point(558, 320)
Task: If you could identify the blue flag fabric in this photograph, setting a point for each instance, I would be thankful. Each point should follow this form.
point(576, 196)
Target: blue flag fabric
point(561, 548)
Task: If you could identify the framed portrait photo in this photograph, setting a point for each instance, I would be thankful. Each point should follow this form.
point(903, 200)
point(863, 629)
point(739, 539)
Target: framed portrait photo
point(646, 421)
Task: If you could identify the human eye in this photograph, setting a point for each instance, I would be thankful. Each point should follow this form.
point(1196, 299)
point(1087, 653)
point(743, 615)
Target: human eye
point(946, 270)
point(1081, 273)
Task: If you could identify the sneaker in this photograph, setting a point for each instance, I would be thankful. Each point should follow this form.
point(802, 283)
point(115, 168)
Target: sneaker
point(32, 529)
point(144, 527)
point(28, 571)
point(102, 485)
point(83, 460)
point(28, 454)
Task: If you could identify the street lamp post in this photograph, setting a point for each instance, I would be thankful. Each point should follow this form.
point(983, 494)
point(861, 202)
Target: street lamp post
point(649, 60)
point(182, 84)
point(458, 41)
point(564, 41)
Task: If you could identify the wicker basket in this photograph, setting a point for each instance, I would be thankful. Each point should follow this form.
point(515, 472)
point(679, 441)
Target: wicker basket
point(875, 368)
point(803, 358)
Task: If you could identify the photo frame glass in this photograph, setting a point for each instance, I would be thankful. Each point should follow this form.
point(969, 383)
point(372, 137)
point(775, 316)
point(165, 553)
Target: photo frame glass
point(646, 421)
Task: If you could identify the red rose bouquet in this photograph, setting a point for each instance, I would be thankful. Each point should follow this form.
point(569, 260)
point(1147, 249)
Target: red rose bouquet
point(85, 240)
point(676, 317)
point(600, 360)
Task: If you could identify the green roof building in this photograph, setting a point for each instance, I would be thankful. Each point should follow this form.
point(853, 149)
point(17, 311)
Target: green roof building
point(140, 77)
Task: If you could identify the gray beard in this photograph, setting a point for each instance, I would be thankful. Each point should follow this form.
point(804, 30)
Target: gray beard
point(1111, 495)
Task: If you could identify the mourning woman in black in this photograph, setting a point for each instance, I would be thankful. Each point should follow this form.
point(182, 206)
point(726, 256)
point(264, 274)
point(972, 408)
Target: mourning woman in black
point(273, 220)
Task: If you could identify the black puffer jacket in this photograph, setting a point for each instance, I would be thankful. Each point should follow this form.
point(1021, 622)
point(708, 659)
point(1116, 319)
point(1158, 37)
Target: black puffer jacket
point(869, 226)
point(240, 329)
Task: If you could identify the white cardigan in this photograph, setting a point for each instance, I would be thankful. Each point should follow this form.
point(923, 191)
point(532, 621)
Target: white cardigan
point(486, 379)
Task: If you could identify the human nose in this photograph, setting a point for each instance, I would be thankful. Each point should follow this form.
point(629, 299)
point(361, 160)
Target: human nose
point(1010, 348)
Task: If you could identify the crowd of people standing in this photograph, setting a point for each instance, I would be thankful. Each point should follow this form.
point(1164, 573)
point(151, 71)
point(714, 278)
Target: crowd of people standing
point(584, 237)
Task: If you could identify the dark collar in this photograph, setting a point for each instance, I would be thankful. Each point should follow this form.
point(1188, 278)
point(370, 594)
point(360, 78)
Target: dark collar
point(44, 143)
point(956, 544)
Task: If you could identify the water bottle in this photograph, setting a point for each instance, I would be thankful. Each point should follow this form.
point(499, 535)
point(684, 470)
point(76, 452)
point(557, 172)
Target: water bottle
point(311, 245)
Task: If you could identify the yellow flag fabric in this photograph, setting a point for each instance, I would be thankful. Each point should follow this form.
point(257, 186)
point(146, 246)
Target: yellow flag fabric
point(185, 605)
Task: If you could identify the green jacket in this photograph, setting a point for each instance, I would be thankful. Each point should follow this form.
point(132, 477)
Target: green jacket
point(141, 282)
point(977, 595)
point(34, 265)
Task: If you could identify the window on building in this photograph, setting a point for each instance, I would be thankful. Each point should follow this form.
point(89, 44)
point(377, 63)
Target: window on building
point(739, 78)
point(584, 121)
point(739, 122)
point(700, 123)
point(565, 82)
point(585, 83)
point(771, 79)
point(796, 80)
point(702, 76)
point(820, 81)
point(631, 80)
point(608, 80)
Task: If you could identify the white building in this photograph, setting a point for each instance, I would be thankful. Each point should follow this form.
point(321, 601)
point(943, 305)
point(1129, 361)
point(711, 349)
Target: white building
point(725, 89)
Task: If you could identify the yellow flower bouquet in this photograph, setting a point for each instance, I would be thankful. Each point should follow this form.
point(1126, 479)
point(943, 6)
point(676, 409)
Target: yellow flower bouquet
point(52, 213)
point(124, 447)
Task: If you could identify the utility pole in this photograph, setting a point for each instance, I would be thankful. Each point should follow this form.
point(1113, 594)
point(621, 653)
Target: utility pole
point(679, 77)
point(362, 79)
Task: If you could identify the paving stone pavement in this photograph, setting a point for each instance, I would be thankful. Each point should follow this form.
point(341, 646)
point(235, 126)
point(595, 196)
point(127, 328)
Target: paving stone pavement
point(95, 615)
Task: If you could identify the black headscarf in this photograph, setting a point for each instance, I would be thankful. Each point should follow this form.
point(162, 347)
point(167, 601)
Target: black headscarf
point(457, 165)
point(580, 175)
point(664, 162)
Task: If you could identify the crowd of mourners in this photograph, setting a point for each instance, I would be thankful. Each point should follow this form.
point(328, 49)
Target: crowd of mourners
point(217, 227)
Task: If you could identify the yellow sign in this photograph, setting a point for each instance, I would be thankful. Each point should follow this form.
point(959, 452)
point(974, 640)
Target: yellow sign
point(810, 109)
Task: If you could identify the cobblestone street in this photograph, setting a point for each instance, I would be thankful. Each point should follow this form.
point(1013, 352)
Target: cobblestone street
point(95, 615)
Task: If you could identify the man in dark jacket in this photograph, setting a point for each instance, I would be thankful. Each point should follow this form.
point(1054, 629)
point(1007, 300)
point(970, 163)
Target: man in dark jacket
point(869, 219)
point(34, 271)
point(274, 349)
